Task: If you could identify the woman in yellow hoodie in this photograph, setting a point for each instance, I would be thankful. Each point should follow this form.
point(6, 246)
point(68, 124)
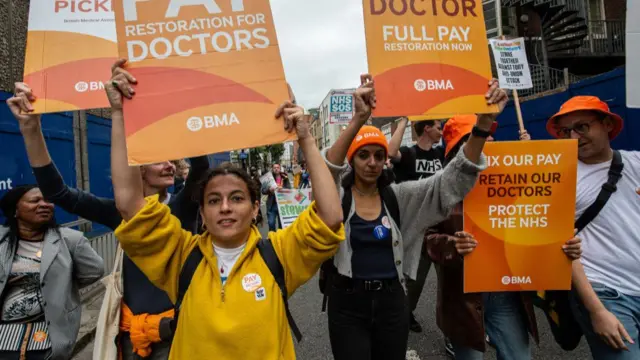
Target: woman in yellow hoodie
point(233, 308)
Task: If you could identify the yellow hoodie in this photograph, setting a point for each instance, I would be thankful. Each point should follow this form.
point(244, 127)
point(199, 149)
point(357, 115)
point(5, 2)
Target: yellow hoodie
point(245, 319)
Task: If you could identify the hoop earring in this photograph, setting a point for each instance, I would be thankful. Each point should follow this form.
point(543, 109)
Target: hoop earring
point(255, 220)
point(204, 227)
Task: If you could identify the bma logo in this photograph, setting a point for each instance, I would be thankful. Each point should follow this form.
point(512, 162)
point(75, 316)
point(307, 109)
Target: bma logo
point(195, 123)
point(506, 280)
point(422, 85)
point(83, 86)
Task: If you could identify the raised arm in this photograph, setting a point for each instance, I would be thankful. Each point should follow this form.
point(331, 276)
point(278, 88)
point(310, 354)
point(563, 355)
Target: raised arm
point(315, 235)
point(30, 125)
point(396, 140)
point(475, 144)
point(365, 101)
point(327, 199)
point(50, 182)
point(427, 202)
point(127, 181)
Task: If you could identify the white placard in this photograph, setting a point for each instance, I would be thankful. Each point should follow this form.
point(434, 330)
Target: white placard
point(512, 64)
point(291, 203)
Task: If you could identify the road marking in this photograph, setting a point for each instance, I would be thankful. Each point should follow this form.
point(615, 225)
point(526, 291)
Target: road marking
point(412, 355)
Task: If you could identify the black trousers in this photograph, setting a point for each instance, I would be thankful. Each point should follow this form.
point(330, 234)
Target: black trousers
point(368, 324)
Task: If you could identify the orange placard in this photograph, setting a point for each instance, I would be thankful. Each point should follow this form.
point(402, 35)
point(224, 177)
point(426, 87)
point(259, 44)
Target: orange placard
point(521, 212)
point(428, 58)
point(70, 48)
point(209, 73)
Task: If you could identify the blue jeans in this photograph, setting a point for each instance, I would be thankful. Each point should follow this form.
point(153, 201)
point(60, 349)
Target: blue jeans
point(504, 322)
point(272, 218)
point(625, 308)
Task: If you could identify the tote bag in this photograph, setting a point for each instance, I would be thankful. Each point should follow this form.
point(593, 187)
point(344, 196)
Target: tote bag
point(108, 326)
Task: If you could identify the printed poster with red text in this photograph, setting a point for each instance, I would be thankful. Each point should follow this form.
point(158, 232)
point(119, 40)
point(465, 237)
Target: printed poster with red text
point(71, 46)
point(521, 212)
point(209, 74)
point(428, 58)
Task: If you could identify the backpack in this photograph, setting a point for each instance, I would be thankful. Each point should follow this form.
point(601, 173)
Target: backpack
point(328, 269)
point(268, 253)
point(556, 304)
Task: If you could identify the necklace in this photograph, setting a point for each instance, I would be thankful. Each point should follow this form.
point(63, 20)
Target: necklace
point(375, 192)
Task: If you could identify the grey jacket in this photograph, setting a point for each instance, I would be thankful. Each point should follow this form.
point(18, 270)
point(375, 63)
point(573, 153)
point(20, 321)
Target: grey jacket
point(423, 203)
point(68, 263)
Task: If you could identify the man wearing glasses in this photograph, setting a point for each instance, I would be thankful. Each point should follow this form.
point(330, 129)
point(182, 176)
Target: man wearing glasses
point(607, 277)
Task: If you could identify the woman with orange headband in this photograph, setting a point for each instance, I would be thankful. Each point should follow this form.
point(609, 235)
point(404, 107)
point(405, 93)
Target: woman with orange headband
point(368, 311)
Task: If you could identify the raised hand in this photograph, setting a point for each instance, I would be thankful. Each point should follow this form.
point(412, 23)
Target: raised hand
point(294, 119)
point(495, 96)
point(365, 98)
point(21, 107)
point(119, 85)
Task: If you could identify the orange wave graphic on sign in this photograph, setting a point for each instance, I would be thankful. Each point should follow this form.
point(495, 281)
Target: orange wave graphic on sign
point(156, 102)
point(521, 212)
point(419, 102)
point(57, 61)
point(219, 134)
point(75, 83)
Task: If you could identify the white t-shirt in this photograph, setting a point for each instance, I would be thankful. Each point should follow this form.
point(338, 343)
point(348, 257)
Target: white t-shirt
point(226, 259)
point(611, 242)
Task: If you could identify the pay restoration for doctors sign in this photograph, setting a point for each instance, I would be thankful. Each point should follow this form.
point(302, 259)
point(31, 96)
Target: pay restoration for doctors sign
point(428, 58)
point(209, 75)
point(521, 212)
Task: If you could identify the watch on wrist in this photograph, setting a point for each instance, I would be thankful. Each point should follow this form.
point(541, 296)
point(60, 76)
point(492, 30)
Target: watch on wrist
point(476, 131)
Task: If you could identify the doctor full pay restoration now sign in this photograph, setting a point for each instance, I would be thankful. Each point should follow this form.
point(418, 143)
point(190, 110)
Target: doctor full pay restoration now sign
point(209, 74)
point(428, 57)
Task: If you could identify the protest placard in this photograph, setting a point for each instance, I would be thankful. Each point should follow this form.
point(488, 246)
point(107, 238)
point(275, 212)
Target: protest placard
point(633, 53)
point(428, 58)
point(209, 74)
point(521, 212)
point(341, 107)
point(71, 46)
point(291, 203)
point(511, 63)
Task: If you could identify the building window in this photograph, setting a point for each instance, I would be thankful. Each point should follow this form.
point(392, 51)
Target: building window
point(490, 17)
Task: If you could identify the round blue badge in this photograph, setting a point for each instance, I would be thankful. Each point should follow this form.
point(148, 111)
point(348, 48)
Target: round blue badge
point(380, 232)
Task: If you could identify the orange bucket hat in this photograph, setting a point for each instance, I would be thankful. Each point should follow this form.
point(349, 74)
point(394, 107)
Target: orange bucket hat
point(588, 103)
point(368, 135)
point(456, 128)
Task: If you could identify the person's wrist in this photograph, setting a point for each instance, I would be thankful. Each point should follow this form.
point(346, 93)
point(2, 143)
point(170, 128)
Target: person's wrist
point(30, 127)
point(361, 117)
point(485, 121)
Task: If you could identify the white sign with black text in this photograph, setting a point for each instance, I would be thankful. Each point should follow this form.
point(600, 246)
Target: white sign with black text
point(511, 63)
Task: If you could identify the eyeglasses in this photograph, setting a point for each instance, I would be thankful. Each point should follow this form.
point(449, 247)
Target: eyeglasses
point(580, 129)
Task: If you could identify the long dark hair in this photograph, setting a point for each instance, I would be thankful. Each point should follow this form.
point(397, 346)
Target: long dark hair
point(228, 168)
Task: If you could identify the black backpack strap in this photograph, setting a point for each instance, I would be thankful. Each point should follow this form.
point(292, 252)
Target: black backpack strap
point(608, 188)
point(186, 274)
point(391, 202)
point(268, 253)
